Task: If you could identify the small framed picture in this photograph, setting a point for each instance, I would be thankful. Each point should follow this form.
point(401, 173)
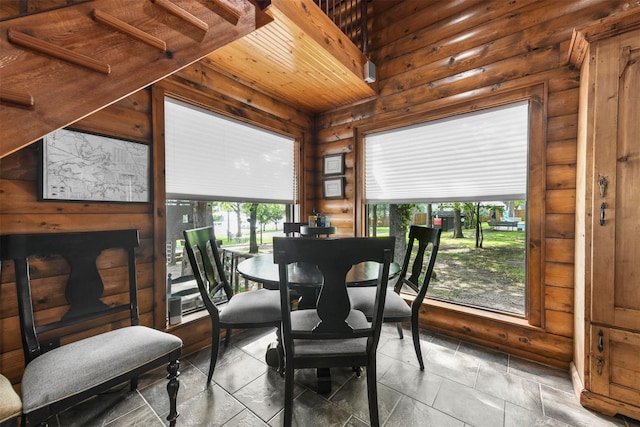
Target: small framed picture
point(333, 164)
point(333, 188)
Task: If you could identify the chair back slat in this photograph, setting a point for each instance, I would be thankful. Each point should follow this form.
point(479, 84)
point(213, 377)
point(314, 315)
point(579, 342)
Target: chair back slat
point(84, 290)
point(200, 244)
point(334, 258)
point(425, 237)
point(292, 229)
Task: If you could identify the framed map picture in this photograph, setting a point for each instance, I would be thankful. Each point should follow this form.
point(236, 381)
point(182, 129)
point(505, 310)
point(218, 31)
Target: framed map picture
point(79, 166)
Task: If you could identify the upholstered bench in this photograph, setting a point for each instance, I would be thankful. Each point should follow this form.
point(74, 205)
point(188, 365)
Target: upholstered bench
point(10, 404)
point(64, 368)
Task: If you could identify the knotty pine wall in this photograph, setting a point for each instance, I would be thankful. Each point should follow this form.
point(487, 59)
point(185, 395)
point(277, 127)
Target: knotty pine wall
point(131, 118)
point(428, 54)
point(21, 212)
point(433, 55)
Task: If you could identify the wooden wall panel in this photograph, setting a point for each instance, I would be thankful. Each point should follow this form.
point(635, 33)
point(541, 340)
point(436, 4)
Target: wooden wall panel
point(559, 299)
point(429, 59)
point(561, 153)
point(560, 226)
point(22, 212)
point(558, 274)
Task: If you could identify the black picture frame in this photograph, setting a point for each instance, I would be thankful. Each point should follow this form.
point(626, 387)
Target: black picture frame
point(333, 188)
point(79, 166)
point(333, 164)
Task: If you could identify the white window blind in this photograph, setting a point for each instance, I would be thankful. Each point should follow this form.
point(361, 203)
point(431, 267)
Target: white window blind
point(478, 156)
point(209, 156)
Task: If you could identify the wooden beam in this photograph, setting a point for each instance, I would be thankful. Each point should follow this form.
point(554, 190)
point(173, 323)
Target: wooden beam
point(16, 98)
point(65, 94)
point(228, 13)
point(130, 30)
point(182, 14)
point(50, 49)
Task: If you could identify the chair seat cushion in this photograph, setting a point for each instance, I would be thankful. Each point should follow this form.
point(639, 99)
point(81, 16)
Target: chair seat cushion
point(363, 299)
point(306, 320)
point(83, 364)
point(10, 405)
point(259, 306)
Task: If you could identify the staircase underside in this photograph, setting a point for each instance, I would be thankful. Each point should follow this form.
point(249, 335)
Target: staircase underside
point(287, 49)
point(41, 93)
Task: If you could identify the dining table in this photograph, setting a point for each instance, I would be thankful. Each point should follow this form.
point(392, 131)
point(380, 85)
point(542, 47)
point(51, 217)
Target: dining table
point(306, 280)
point(309, 231)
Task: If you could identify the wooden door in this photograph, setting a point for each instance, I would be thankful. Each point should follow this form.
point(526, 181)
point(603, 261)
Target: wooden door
point(615, 366)
point(616, 241)
point(615, 302)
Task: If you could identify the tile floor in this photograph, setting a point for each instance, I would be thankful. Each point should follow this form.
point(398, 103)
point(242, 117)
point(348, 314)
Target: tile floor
point(462, 385)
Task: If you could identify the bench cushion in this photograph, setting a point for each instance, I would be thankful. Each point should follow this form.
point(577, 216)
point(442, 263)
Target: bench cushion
point(83, 364)
point(10, 405)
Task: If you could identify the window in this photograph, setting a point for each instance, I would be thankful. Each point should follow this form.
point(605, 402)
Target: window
point(208, 155)
point(479, 156)
point(452, 172)
point(215, 167)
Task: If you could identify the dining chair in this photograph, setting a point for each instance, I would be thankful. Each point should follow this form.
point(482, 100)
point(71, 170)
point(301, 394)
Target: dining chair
point(332, 334)
point(396, 308)
point(63, 365)
point(258, 308)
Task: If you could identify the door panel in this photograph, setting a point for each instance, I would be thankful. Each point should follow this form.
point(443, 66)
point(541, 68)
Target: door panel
point(616, 223)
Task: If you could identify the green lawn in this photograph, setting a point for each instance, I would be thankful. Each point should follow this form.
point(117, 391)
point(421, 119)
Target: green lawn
point(491, 277)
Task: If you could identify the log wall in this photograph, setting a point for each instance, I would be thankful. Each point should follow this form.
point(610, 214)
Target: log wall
point(427, 57)
point(435, 55)
point(130, 118)
point(21, 212)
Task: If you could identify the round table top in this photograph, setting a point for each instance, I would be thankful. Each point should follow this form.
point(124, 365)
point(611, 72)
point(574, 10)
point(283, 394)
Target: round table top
point(305, 230)
point(262, 269)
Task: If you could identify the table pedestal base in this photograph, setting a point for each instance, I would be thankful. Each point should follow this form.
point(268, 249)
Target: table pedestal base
point(324, 380)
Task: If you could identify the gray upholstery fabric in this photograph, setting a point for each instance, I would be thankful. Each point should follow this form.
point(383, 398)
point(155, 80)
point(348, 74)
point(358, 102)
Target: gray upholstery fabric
point(262, 305)
point(306, 319)
point(83, 364)
point(363, 298)
point(10, 405)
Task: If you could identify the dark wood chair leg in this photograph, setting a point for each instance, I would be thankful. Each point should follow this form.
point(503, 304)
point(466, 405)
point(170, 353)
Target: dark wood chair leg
point(133, 384)
point(172, 389)
point(323, 379)
point(399, 328)
point(280, 352)
point(215, 347)
point(415, 332)
point(372, 392)
point(288, 397)
point(227, 337)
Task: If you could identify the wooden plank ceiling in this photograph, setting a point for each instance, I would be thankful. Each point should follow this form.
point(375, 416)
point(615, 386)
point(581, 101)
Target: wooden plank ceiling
point(301, 58)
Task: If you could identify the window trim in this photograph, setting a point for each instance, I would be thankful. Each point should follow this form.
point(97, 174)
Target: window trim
point(536, 184)
point(168, 88)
